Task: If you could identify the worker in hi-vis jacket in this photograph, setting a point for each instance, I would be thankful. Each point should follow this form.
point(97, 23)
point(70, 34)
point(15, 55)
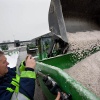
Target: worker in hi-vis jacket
point(18, 83)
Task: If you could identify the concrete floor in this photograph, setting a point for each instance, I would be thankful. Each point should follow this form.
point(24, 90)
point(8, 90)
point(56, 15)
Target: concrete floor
point(38, 93)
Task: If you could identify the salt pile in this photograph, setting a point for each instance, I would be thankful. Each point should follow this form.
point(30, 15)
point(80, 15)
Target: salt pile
point(87, 72)
point(83, 40)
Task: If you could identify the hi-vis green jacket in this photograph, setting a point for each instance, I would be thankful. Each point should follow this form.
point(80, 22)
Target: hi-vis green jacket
point(18, 87)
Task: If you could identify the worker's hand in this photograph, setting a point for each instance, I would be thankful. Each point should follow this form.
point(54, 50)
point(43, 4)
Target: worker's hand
point(30, 62)
point(58, 96)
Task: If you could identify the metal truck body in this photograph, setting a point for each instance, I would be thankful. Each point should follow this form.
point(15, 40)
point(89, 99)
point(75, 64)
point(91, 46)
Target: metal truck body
point(66, 16)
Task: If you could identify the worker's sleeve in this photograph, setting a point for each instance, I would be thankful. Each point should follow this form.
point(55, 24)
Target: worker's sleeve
point(5, 95)
point(27, 83)
point(22, 66)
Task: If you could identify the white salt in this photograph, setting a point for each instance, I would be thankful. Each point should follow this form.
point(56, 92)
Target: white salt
point(83, 40)
point(87, 72)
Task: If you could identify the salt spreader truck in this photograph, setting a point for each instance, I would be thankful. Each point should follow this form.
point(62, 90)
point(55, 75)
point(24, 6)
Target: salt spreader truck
point(55, 55)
